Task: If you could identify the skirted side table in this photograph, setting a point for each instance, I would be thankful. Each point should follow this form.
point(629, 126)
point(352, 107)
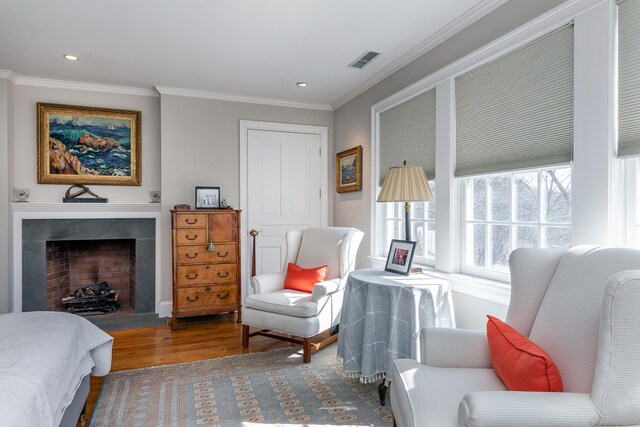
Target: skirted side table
point(382, 315)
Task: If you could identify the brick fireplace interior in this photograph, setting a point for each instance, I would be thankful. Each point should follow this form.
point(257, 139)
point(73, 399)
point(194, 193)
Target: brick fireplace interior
point(76, 264)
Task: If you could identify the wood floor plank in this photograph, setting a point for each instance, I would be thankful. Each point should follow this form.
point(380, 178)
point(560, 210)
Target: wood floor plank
point(216, 336)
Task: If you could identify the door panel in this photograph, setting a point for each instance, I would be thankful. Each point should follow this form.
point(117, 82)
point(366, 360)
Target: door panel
point(283, 184)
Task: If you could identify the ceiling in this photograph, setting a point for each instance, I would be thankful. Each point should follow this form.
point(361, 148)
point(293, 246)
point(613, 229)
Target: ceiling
point(256, 48)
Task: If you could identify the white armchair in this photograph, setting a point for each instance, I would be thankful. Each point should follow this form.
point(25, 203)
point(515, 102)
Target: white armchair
point(273, 308)
point(582, 306)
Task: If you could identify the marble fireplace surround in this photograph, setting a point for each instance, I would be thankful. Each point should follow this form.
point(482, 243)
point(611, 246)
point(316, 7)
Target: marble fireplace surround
point(36, 223)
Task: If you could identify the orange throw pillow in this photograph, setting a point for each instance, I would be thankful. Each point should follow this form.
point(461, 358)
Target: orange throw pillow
point(518, 362)
point(303, 279)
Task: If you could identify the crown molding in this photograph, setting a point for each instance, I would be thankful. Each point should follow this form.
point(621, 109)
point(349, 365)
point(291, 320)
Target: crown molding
point(192, 93)
point(72, 85)
point(9, 75)
point(438, 37)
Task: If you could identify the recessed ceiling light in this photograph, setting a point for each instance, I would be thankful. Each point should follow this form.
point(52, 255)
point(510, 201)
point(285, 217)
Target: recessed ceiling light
point(71, 57)
point(301, 84)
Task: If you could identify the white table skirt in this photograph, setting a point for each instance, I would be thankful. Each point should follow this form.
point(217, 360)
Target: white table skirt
point(382, 315)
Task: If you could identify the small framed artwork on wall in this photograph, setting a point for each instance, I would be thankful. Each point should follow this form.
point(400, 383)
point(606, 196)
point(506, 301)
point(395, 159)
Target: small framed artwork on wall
point(207, 197)
point(349, 170)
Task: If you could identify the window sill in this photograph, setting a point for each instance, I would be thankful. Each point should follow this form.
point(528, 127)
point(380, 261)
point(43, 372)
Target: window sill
point(478, 287)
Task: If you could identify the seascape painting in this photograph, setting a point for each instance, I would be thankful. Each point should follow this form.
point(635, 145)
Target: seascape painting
point(83, 145)
point(349, 170)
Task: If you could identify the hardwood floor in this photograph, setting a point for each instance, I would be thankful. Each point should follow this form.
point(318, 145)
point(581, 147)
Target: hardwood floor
point(214, 336)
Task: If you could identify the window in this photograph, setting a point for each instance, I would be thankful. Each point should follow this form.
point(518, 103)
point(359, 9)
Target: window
point(513, 210)
point(423, 227)
point(408, 132)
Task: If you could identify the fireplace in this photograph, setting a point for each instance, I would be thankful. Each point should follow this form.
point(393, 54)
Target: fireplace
point(61, 255)
point(76, 264)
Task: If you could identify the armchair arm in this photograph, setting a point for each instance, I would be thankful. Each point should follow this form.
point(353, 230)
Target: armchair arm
point(455, 348)
point(516, 408)
point(270, 282)
point(323, 289)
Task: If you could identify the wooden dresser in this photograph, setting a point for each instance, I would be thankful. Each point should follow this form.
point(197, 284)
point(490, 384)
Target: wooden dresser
point(205, 281)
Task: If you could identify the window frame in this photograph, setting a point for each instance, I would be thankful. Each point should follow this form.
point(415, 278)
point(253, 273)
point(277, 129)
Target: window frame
point(595, 178)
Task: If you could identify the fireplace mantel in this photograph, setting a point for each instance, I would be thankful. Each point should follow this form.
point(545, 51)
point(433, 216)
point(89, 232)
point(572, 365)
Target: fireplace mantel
point(29, 210)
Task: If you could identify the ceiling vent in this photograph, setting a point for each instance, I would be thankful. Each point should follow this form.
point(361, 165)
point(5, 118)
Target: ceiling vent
point(364, 59)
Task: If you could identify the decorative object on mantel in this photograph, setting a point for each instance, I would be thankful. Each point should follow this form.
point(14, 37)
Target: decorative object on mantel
point(207, 197)
point(88, 145)
point(349, 170)
point(21, 194)
point(182, 208)
point(155, 196)
point(225, 205)
point(74, 197)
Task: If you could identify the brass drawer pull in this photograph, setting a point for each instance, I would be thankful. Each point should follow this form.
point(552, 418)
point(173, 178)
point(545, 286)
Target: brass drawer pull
point(226, 274)
point(194, 237)
point(192, 276)
point(223, 295)
point(193, 299)
point(195, 221)
point(191, 256)
point(222, 255)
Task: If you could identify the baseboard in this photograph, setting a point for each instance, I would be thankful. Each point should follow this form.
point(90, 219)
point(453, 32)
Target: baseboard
point(165, 308)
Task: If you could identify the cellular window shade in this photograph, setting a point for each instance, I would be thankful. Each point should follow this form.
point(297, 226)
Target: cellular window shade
point(629, 78)
point(516, 112)
point(408, 132)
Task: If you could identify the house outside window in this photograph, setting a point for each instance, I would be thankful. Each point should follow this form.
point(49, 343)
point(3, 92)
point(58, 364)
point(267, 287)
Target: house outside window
point(514, 210)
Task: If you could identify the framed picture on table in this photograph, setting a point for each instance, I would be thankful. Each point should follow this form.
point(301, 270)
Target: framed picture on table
point(400, 257)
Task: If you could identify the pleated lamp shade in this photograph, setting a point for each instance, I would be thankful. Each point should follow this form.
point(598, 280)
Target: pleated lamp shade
point(405, 184)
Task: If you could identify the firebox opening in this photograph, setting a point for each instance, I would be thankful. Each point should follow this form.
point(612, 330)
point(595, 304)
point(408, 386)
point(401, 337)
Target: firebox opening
point(77, 264)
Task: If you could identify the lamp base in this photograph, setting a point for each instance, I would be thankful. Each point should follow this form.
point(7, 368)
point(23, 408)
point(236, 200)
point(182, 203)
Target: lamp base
point(407, 222)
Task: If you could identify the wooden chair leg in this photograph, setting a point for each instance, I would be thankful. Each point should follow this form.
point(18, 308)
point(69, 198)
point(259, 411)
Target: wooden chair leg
point(245, 336)
point(306, 350)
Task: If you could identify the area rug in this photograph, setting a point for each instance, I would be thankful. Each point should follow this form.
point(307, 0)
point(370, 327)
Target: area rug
point(273, 388)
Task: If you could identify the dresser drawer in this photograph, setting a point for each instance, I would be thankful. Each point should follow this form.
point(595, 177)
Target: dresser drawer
point(207, 296)
point(191, 220)
point(189, 275)
point(198, 254)
point(191, 235)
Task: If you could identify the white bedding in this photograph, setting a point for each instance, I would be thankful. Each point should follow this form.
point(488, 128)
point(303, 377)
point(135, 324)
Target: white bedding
point(43, 358)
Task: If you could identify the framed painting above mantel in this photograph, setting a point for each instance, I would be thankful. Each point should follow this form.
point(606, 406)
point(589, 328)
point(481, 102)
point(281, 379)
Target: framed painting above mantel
point(88, 145)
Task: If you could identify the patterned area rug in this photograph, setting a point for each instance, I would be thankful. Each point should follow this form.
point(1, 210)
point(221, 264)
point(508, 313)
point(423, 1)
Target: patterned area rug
point(273, 388)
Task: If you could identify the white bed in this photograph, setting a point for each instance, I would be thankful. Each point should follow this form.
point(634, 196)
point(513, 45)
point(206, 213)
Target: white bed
point(44, 357)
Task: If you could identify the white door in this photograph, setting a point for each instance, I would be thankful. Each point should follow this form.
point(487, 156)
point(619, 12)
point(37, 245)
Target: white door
point(285, 174)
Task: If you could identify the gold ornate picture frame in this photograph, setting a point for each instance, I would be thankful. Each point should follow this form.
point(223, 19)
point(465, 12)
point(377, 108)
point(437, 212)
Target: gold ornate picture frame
point(88, 145)
point(349, 170)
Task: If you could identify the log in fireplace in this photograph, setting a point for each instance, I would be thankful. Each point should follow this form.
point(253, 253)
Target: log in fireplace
point(92, 300)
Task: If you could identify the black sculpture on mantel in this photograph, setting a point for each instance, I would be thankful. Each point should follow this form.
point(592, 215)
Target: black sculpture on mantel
point(83, 189)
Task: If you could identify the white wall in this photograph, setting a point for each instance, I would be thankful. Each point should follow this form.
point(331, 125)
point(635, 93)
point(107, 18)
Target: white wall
point(200, 146)
point(25, 145)
point(471, 312)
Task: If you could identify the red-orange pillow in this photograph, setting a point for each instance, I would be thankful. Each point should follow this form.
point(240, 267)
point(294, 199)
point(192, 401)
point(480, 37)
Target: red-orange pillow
point(303, 279)
point(518, 362)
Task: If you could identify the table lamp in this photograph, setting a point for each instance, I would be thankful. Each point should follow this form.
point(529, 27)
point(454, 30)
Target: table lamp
point(405, 184)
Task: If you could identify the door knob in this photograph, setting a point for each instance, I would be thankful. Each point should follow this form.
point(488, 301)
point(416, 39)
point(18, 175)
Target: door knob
point(253, 232)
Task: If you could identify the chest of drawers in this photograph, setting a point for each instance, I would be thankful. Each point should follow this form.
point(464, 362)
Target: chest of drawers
point(206, 263)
